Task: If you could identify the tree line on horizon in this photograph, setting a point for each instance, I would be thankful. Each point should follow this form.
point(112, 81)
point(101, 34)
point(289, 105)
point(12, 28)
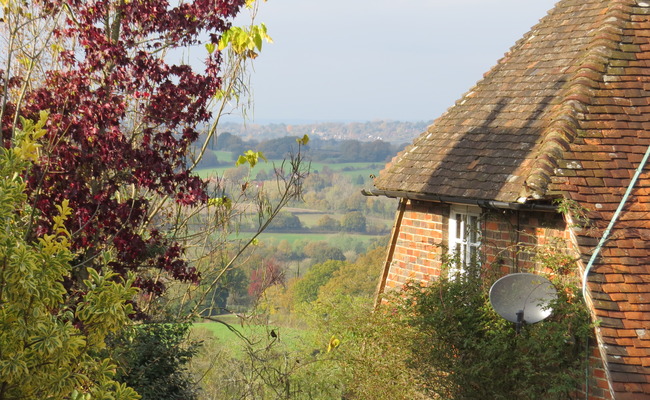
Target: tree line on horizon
point(318, 150)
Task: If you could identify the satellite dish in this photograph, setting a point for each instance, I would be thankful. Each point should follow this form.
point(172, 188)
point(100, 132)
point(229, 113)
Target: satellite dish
point(523, 297)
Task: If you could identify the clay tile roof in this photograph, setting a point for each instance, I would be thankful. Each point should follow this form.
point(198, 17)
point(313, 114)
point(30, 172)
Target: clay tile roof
point(565, 113)
point(506, 129)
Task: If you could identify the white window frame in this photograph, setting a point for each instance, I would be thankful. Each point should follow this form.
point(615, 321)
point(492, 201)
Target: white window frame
point(464, 237)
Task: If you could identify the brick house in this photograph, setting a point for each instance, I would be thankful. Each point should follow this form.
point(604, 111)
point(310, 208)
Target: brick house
point(565, 114)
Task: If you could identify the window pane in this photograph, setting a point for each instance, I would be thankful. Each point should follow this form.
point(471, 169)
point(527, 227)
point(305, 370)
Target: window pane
point(473, 229)
point(472, 253)
point(459, 226)
point(464, 237)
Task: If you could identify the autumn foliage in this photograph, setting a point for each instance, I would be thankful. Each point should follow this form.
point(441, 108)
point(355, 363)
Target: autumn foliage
point(122, 116)
point(269, 274)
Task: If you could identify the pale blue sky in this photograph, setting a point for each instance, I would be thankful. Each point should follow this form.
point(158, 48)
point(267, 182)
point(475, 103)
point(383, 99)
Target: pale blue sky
point(360, 60)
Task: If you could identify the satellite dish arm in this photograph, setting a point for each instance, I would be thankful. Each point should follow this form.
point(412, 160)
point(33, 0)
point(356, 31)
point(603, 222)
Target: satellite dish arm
point(520, 320)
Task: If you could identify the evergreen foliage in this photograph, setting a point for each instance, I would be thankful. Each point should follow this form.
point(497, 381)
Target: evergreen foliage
point(154, 358)
point(48, 350)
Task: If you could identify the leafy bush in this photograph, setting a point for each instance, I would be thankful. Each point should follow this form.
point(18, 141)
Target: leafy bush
point(285, 221)
point(464, 350)
point(306, 289)
point(48, 349)
point(321, 252)
point(328, 223)
point(262, 365)
point(354, 221)
point(153, 359)
point(363, 353)
point(357, 279)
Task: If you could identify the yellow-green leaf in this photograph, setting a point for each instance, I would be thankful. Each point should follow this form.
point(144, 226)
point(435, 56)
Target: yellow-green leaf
point(303, 141)
point(251, 157)
point(333, 343)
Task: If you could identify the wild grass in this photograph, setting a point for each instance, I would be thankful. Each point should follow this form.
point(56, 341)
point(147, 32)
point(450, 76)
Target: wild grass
point(232, 335)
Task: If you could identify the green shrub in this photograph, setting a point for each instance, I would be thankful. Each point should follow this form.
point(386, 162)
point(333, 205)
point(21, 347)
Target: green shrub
point(48, 349)
point(361, 352)
point(153, 359)
point(464, 350)
point(306, 289)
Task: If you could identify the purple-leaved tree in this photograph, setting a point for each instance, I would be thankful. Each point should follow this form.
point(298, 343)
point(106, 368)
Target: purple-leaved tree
point(123, 116)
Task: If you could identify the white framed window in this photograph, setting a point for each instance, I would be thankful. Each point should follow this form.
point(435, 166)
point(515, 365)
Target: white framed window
point(464, 237)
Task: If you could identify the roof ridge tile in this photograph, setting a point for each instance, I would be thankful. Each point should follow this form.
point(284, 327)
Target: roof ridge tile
point(578, 94)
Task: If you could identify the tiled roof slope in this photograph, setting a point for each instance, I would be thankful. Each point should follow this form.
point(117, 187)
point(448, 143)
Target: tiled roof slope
point(565, 113)
point(485, 146)
point(612, 137)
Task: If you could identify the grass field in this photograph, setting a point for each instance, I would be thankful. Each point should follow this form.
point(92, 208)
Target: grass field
point(292, 338)
point(311, 219)
point(224, 156)
point(352, 170)
point(326, 237)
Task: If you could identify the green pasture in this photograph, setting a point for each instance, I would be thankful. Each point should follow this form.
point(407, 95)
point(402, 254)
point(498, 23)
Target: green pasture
point(352, 170)
point(224, 156)
point(310, 219)
point(290, 237)
point(313, 237)
point(292, 338)
point(267, 167)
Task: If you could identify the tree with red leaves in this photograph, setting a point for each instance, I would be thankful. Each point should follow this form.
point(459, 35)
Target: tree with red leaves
point(268, 274)
point(122, 119)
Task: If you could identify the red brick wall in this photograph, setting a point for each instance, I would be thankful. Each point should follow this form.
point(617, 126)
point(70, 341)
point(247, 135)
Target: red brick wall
point(598, 385)
point(510, 240)
point(513, 239)
point(418, 248)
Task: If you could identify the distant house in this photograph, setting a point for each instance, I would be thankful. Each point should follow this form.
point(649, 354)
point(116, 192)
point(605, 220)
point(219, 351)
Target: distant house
point(565, 115)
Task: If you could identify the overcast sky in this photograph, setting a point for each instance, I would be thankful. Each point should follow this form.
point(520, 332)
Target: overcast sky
point(362, 60)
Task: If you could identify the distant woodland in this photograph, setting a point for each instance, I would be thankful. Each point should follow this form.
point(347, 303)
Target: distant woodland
point(318, 149)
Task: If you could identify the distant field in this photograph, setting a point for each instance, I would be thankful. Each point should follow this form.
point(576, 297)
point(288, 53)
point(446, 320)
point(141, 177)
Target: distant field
point(352, 170)
point(310, 220)
point(262, 166)
point(292, 237)
point(224, 156)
